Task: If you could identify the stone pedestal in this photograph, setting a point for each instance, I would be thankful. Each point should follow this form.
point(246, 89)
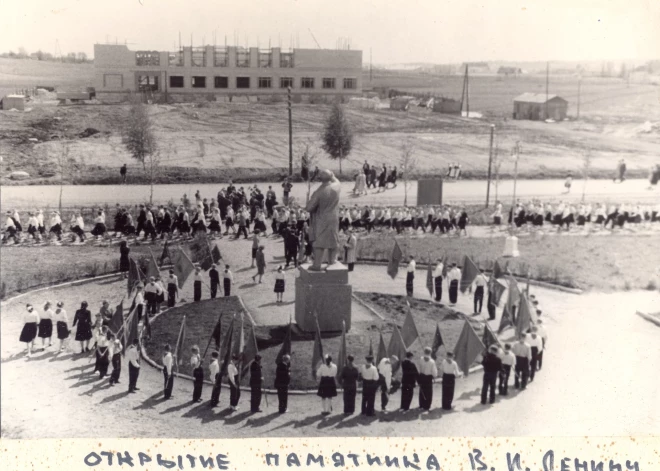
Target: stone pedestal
point(324, 293)
point(511, 247)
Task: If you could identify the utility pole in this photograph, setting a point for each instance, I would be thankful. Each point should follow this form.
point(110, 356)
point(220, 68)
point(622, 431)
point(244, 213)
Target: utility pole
point(547, 87)
point(578, 97)
point(290, 134)
point(516, 155)
point(490, 162)
point(465, 95)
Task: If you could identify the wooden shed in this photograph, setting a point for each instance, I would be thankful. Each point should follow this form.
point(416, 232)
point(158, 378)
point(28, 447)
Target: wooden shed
point(447, 106)
point(400, 103)
point(536, 107)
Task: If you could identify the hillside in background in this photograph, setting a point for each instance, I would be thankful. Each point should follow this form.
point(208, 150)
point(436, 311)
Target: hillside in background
point(28, 73)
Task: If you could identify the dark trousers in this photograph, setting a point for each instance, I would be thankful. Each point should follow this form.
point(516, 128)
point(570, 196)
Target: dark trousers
point(522, 372)
point(490, 381)
point(104, 361)
point(540, 362)
point(227, 286)
point(351, 266)
point(140, 308)
point(410, 277)
point(133, 373)
point(168, 384)
point(478, 299)
point(513, 315)
point(425, 391)
point(214, 289)
point(453, 291)
point(291, 256)
point(215, 394)
point(533, 366)
point(234, 393)
point(255, 398)
point(448, 385)
point(242, 230)
point(198, 385)
point(349, 400)
point(492, 309)
point(79, 232)
point(384, 396)
point(283, 398)
point(171, 295)
point(197, 287)
point(407, 392)
point(504, 379)
point(152, 305)
point(116, 368)
point(369, 389)
point(438, 288)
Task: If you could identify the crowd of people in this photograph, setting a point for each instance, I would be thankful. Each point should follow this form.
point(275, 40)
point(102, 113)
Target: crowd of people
point(524, 357)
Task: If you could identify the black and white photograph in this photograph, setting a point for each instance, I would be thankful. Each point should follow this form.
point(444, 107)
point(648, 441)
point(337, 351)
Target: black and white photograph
point(304, 219)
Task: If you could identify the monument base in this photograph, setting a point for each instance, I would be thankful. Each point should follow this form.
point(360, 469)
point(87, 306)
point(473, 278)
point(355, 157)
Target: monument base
point(511, 247)
point(325, 294)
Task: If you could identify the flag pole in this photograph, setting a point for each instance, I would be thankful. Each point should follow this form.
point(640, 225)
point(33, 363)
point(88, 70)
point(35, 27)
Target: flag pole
point(179, 339)
point(210, 338)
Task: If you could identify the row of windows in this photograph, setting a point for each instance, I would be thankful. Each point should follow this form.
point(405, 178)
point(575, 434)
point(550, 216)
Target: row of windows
point(177, 81)
point(220, 59)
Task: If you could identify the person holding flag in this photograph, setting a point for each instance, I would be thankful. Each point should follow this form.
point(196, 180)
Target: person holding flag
point(214, 370)
point(523, 353)
point(508, 360)
point(214, 279)
point(282, 381)
point(198, 374)
point(228, 280)
point(327, 386)
point(385, 379)
point(427, 372)
point(172, 289)
point(348, 379)
point(408, 380)
point(167, 372)
point(492, 367)
point(454, 278)
point(536, 345)
point(133, 358)
point(369, 374)
point(450, 371)
point(256, 380)
point(114, 353)
point(479, 282)
point(410, 276)
point(438, 273)
point(234, 387)
point(197, 284)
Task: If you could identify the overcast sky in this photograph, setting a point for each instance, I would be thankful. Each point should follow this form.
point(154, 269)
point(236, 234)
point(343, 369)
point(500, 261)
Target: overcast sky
point(397, 31)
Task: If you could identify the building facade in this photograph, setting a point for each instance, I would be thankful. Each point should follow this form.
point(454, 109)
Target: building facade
point(538, 107)
point(223, 73)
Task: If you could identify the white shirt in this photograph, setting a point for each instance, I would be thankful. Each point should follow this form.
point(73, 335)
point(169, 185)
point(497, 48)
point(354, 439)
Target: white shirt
point(411, 266)
point(194, 361)
point(80, 222)
point(61, 316)
point(480, 280)
point(385, 368)
point(132, 356)
point(438, 270)
point(114, 348)
point(172, 279)
point(508, 358)
point(55, 219)
point(370, 373)
point(232, 371)
point(454, 274)
point(279, 275)
point(40, 218)
point(47, 314)
point(214, 368)
point(228, 275)
point(450, 367)
point(167, 362)
point(139, 298)
point(10, 223)
point(428, 367)
point(522, 349)
point(327, 370)
point(542, 332)
point(535, 342)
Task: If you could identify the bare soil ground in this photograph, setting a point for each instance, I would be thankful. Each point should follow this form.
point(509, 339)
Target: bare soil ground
point(216, 141)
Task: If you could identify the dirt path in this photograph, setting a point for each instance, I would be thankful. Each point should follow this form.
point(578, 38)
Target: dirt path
point(599, 353)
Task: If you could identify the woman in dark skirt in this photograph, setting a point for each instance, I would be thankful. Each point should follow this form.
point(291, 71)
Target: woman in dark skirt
point(462, 222)
point(83, 319)
point(327, 386)
point(124, 250)
point(46, 326)
point(29, 332)
point(61, 324)
point(279, 284)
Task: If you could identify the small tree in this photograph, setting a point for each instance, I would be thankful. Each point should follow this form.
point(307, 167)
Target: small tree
point(337, 135)
point(408, 165)
point(140, 141)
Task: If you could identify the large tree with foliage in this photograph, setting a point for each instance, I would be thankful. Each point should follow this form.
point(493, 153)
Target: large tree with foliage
point(140, 140)
point(337, 135)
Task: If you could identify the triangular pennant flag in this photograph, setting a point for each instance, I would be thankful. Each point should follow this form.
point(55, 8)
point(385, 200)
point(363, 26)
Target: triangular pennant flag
point(117, 318)
point(371, 348)
point(395, 259)
point(470, 272)
point(131, 329)
point(497, 270)
point(409, 331)
point(489, 337)
point(437, 342)
point(239, 347)
point(505, 320)
point(514, 293)
point(285, 349)
point(250, 351)
point(445, 266)
point(524, 320)
point(178, 350)
point(207, 259)
point(429, 279)
point(135, 276)
point(215, 254)
point(496, 289)
point(183, 267)
point(227, 347)
point(166, 252)
point(382, 351)
point(317, 354)
point(217, 333)
point(152, 267)
point(341, 357)
point(468, 348)
point(397, 347)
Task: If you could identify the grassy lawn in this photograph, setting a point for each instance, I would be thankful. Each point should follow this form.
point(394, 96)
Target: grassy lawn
point(598, 262)
point(201, 319)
